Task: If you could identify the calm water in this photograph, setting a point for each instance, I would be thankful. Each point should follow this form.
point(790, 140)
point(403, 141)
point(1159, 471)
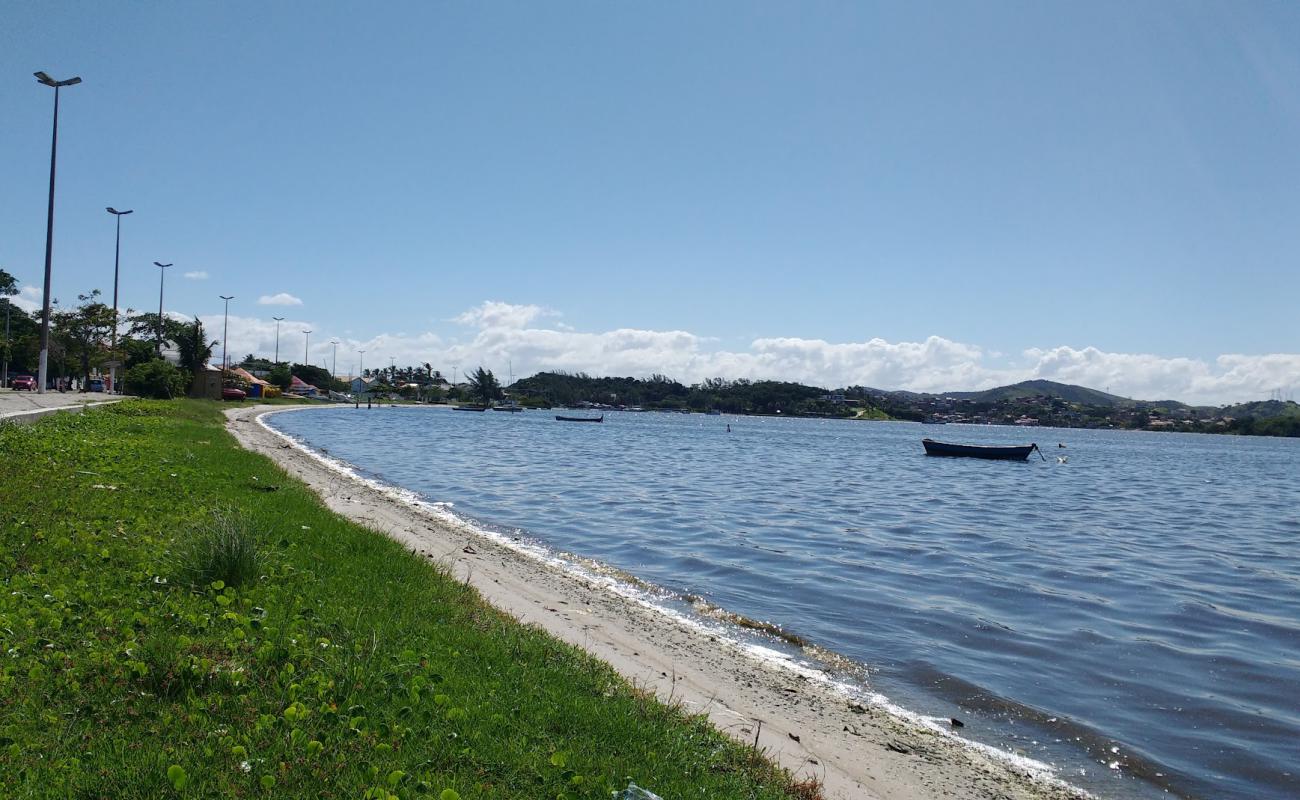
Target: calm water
point(1131, 616)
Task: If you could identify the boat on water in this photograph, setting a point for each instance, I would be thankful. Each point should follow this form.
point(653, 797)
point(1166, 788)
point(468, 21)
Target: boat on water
point(511, 407)
point(469, 408)
point(1018, 452)
point(559, 418)
point(934, 421)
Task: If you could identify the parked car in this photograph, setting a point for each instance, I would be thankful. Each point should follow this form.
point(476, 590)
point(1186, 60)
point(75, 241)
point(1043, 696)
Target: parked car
point(231, 393)
point(23, 383)
point(95, 385)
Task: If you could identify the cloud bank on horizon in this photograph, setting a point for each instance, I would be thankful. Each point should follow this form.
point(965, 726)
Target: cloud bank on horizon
point(515, 334)
point(519, 334)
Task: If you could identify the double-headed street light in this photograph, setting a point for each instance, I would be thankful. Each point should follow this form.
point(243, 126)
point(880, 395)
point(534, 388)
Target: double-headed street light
point(225, 329)
point(162, 271)
point(278, 320)
point(42, 371)
point(117, 258)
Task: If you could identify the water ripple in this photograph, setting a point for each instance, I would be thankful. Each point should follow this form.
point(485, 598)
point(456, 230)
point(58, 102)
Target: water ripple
point(1139, 605)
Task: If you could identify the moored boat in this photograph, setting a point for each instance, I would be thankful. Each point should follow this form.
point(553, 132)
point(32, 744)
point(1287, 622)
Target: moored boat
point(559, 418)
point(469, 408)
point(1018, 452)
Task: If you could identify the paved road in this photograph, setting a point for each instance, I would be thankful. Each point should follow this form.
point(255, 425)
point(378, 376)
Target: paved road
point(21, 403)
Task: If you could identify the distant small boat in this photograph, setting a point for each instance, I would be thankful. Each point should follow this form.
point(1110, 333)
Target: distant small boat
point(469, 408)
point(1018, 452)
point(559, 418)
point(511, 407)
point(933, 421)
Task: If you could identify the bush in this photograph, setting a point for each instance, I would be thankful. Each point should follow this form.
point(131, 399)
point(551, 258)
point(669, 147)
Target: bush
point(222, 549)
point(158, 379)
point(280, 376)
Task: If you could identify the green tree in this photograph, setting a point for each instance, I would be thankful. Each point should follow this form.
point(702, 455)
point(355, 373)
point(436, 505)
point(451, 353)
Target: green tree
point(483, 386)
point(158, 379)
point(280, 376)
point(83, 332)
point(144, 326)
point(8, 288)
point(193, 347)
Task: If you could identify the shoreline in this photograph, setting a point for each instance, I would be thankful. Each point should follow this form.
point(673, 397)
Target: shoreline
point(804, 721)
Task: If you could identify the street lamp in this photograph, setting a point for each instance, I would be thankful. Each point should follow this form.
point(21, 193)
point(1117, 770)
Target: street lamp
point(162, 271)
point(278, 320)
point(334, 370)
point(4, 370)
point(117, 259)
point(225, 328)
point(41, 77)
point(306, 347)
point(362, 371)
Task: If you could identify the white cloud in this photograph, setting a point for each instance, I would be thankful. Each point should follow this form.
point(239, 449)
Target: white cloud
point(281, 299)
point(494, 314)
point(504, 340)
point(28, 299)
point(197, 275)
point(1228, 379)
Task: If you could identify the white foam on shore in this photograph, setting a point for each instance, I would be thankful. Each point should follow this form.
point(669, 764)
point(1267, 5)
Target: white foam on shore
point(727, 635)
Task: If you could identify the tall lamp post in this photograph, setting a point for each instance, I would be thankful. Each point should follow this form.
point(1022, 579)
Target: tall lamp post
point(334, 370)
point(306, 347)
point(162, 271)
point(117, 259)
point(362, 370)
point(225, 328)
point(4, 371)
point(41, 77)
point(278, 320)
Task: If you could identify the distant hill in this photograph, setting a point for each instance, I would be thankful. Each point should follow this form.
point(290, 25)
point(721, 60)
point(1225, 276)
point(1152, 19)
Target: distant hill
point(1063, 391)
point(1263, 409)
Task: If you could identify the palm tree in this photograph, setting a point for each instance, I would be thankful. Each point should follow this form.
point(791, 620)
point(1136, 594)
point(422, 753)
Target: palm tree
point(483, 385)
point(193, 347)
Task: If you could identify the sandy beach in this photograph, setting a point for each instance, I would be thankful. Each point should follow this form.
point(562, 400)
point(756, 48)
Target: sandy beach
point(859, 749)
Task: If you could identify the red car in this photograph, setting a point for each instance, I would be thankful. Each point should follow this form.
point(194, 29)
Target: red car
point(23, 382)
point(231, 393)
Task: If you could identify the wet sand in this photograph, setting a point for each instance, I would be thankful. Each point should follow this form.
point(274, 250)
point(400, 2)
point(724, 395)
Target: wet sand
point(858, 749)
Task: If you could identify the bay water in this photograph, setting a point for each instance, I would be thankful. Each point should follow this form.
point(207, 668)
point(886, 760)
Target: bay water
point(1127, 611)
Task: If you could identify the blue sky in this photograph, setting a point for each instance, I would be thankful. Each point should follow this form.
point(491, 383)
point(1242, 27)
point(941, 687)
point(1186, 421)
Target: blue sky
point(1105, 192)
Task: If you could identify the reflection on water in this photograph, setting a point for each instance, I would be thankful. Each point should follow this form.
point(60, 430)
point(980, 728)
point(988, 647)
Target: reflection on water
point(1133, 612)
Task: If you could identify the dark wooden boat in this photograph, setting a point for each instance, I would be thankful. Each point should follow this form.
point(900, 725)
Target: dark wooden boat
point(1018, 452)
point(511, 409)
point(469, 408)
point(559, 418)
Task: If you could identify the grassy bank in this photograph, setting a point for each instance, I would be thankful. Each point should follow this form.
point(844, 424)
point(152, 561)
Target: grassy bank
point(179, 618)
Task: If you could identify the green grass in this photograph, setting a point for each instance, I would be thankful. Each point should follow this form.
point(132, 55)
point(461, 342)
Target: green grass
point(327, 663)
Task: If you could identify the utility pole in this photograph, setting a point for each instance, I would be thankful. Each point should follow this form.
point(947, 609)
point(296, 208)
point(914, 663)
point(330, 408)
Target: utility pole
point(225, 330)
point(162, 271)
point(278, 320)
point(42, 370)
point(4, 372)
point(117, 258)
point(306, 347)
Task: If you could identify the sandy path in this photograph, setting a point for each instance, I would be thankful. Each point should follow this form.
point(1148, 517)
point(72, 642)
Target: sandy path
point(858, 752)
